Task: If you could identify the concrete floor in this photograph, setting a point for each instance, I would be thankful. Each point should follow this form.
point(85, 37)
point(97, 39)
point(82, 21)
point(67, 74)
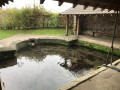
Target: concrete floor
point(106, 80)
point(103, 41)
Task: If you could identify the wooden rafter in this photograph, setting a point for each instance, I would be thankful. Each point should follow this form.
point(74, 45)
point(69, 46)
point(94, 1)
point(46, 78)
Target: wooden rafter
point(110, 4)
point(85, 7)
point(11, 0)
point(6, 1)
point(42, 1)
point(75, 3)
point(60, 2)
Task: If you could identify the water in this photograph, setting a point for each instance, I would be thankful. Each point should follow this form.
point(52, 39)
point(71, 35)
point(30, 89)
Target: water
point(48, 67)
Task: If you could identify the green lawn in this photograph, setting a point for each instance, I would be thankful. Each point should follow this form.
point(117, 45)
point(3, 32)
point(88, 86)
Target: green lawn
point(52, 31)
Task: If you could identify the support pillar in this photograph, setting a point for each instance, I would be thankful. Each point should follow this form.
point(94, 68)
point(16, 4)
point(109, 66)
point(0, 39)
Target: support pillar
point(67, 24)
point(75, 25)
point(78, 24)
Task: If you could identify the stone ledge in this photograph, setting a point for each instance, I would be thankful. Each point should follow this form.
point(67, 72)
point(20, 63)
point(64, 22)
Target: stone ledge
point(7, 52)
point(86, 77)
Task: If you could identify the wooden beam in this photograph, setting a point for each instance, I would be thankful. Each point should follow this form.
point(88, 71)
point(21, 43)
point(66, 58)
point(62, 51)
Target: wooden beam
point(60, 2)
point(11, 0)
point(6, 1)
point(109, 10)
point(102, 9)
point(93, 3)
point(85, 6)
point(42, 1)
point(75, 3)
point(78, 24)
point(67, 24)
point(94, 8)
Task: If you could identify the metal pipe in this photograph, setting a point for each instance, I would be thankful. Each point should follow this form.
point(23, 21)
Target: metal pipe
point(112, 44)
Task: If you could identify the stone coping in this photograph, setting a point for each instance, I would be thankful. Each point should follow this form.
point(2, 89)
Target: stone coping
point(15, 45)
point(87, 77)
point(19, 41)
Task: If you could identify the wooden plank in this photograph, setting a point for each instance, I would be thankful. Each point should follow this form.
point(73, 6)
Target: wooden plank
point(105, 34)
point(78, 24)
point(67, 24)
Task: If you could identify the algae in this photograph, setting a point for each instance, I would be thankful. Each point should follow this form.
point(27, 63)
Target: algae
point(98, 47)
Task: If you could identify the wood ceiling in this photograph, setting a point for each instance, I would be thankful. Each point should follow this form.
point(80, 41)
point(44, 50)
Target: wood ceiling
point(104, 4)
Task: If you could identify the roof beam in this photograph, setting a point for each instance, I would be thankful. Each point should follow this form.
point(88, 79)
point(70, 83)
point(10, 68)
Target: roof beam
point(85, 6)
point(110, 8)
point(94, 8)
point(60, 2)
point(102, 9)
point(42, 1)
point(75, 3)
point(11, 0)
point(114, 3)
point(6, 1)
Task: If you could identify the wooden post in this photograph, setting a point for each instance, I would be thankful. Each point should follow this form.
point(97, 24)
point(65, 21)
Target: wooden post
point(78, 24)
point(67, 24)
point(43, 21)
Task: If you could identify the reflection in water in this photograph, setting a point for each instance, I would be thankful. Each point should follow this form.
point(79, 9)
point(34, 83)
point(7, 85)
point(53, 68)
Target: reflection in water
point(48, 67)
point(7, 63)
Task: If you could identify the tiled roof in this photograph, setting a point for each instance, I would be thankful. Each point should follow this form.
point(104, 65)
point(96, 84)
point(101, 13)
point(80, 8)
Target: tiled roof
point(79, 9)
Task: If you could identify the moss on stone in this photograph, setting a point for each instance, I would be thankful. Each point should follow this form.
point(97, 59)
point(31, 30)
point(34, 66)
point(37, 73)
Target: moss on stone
point(64, 43)
point(98, 47)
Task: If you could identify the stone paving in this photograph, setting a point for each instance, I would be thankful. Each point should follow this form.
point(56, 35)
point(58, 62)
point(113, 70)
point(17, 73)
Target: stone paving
point(104, 41)
point(106, 80)
point(6, 42)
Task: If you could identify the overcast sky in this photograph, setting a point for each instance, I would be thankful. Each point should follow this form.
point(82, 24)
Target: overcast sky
point(48, 4)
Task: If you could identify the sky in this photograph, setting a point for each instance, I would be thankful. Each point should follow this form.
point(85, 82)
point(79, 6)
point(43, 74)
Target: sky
point(50, 5)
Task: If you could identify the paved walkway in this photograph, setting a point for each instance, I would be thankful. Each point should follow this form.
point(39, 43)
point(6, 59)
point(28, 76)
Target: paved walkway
point(21, 37)
point(106, 80)
point(104, 41)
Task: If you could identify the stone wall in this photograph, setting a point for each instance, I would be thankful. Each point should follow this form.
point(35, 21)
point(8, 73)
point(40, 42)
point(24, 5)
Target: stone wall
point(100, 23)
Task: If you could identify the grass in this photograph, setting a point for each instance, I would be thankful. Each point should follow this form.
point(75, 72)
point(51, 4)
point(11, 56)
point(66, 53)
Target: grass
point(98, 47)
point(48, 31)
